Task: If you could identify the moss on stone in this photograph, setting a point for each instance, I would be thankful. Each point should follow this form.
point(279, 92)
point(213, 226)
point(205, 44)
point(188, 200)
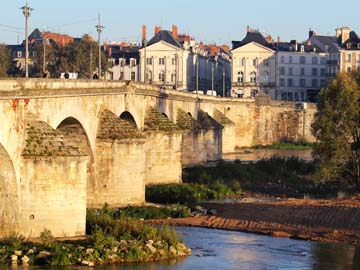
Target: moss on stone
point(156, 121)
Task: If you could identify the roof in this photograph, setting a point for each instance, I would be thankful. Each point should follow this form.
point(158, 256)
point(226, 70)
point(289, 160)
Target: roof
point(252, 36)
point(166, 36)
point(290, 47)
point(326, 40)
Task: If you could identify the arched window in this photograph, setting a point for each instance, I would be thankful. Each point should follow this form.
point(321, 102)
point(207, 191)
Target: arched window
point(253, 77)
point(240, 77)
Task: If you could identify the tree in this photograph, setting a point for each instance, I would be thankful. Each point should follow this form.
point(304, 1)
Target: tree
point(5, 61)
point(337, 128)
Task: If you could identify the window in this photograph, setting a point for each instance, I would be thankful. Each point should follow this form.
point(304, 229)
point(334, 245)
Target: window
point(121, 76)
point(290, 60)
point(348, 57)
point(290, 71)
point(266, 62)
point(149, 61)
point(282, 59)
point(322, 72)
point(173, 77)
point(173, 61)
point(323, 60)
point(302, 60)
point(132, 76)
point(290, 82)
point(282, 82)
point(149, 76)
point(302, 48)
point(253, 77)
point(348, 69)
point(162, 77)
point(255, 62)
point(302, 71)
point(19, 54)
point(282, 70)
point(296, 96)
point(322, 83)
point(240, 77)
point(302, 83)
point(133, 62)
point(162, 61)
point(348, 45)
point(265, 77)
point(314, 60)
point(314, 83)
point(314, 72)
point(122, 62)
point(302, 96)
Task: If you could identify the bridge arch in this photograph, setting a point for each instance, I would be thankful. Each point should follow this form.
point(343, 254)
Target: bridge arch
point(128, 117)
point(9, 200)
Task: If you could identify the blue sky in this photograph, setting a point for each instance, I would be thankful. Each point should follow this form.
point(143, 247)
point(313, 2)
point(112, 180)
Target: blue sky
point(209, 21)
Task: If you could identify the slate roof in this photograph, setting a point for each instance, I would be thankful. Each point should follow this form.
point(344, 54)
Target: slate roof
point(126, 52)
point(326, 40)
point(164, 35)
point(252, 36)
point(289, 47)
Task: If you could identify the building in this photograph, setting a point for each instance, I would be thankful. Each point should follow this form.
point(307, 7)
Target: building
point(253, 66)
point(179, 62)
point(301, 71)
point(124, 59)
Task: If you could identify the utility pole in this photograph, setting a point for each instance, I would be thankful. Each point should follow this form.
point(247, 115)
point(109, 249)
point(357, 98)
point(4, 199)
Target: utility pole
point(91, 56)
point(26, 11)
point(197, 72)
point(223, 81)
point(99, 29)
point(212, 76)
point(44, 56)
point(145, 60)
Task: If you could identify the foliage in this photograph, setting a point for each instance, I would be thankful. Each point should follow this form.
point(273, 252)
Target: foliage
point(5, 61)
point(300, 144)
point(337, 127)
point(60, 256)
point(152, 212)
point(13, 241)
point(46, 238)
point(191, 193)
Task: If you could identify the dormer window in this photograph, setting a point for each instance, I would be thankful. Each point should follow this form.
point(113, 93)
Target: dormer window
point(302, 48)
point(348, 45)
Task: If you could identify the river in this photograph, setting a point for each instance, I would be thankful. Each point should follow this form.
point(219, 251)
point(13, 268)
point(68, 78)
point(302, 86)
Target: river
point(229, 250)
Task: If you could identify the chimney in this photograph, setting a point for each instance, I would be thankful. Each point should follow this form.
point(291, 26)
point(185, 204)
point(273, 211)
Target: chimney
point(248, 29)
point(345, 34)
point(175, 31)
point(338, 32)
point(143, 33)
point(157, 29)
point(311, 33)
point(278, 39)
point(109, 51)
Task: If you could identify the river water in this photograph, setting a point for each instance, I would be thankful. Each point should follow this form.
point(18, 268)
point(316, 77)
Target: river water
point(228, 250)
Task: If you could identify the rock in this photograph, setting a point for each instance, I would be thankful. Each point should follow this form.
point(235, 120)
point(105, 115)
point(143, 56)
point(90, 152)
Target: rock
point(25, 259)
point(150, 242)
point(14, 258)
point(89, 251)
point(18, 252)
point(115, 249)
point(281, 234)
point(44, 254)
point(200, 255)
point(30, 251)
point(162, 252)
point(151, 248)
point(112, 258)
point(87, 263)
point(173, 250)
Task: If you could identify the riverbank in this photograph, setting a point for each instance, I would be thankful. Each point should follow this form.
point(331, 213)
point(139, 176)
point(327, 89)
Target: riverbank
point(317, 220)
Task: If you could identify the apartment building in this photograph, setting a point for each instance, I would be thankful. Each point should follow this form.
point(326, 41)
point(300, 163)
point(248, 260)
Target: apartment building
point(175, 61)
point(253, 66)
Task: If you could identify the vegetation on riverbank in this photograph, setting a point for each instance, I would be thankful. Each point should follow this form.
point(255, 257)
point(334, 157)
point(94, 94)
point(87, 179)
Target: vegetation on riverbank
point(274, 176)
point(110, 239)
point(191, 193)
point(300, 144)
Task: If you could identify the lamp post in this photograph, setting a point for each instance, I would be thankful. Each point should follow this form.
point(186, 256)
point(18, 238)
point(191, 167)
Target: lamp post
point(26, 11)
point(99, 29)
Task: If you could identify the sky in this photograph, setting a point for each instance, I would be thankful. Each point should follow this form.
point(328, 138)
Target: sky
point(211, 21)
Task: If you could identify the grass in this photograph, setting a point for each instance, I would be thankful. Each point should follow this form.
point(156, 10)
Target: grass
point(300, 144)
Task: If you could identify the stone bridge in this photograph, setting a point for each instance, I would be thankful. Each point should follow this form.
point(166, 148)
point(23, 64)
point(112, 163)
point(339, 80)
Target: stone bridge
point(68, 145)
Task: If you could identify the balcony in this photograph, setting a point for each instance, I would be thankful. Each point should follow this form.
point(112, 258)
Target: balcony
point(256, 84)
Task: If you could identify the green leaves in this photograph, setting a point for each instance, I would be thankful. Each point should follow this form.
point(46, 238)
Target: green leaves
point(337, 127)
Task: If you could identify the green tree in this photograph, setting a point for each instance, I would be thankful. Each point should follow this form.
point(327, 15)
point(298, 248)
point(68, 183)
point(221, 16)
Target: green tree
point(337, 128)
point(76, 57)
point(52, 53)
point(5, 61)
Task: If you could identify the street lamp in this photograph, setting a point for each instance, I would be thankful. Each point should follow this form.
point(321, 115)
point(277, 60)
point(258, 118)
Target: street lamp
point(26, 11)
point(99, 29)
